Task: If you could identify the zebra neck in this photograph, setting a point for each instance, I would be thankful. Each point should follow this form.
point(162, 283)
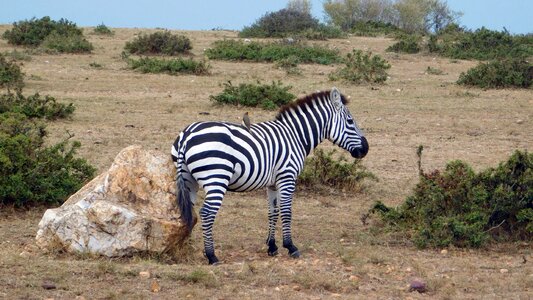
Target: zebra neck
point(306, 125)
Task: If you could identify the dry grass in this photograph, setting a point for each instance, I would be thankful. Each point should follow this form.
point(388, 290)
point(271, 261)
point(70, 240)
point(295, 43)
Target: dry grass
point(117, 107)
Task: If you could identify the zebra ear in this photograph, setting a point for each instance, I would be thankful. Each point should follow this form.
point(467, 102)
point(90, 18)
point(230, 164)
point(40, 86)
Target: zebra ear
point(336, 98)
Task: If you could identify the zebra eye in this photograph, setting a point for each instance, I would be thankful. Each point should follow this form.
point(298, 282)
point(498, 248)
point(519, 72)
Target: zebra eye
point(349, 121)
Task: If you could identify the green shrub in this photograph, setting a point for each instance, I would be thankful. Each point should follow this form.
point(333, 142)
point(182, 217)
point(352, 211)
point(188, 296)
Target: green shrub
point(67, 43)
point(460, 207)
point(406, 44)
point(362, 66)
point(482, 44)
point(374, 28)
point(34, 31)
point(323, 32)
point(322, 170)
point(499, 74)
point(103, 30)
point(270, 52)
point(290, 23)
point(11, 77)
point(161, 42)
point(35, 106)
point(32, 174)
point(281, 24)
point(169, 66)
point(247, 94)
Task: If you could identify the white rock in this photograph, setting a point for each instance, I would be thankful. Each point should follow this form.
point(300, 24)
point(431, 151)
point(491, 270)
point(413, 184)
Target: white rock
point(129, 209)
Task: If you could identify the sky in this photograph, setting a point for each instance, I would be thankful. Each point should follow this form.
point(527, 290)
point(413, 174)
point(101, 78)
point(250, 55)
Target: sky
point(515, 15)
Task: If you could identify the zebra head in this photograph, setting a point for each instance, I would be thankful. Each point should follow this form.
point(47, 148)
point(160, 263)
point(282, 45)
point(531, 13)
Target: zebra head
point(343, 130)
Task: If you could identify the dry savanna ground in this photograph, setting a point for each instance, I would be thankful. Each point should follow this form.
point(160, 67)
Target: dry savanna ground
point(342, 258)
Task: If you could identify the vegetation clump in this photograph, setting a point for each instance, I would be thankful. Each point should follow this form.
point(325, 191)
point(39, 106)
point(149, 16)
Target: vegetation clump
point(375, 28)
point(289, 22)
point(372, 17)
point(160, 42)
point(61, 36)
point(322, 170)
point(407, 44)
point(362, 67)
point(67, 43)
point(32, 174)
point(102, 29)
point(35, 106)
point(11, 77)
point(271, 52)
point(169, 66)
point(483, 44)
point(249, 94)
point(463, 208)
point(499, 74)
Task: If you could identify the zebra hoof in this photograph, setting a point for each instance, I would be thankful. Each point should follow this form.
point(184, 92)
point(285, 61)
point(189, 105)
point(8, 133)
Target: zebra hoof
point(213, 260)
point(295, 254)
point(273, 253)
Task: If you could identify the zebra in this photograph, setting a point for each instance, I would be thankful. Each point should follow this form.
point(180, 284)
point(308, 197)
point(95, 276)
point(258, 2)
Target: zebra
point(222, 156)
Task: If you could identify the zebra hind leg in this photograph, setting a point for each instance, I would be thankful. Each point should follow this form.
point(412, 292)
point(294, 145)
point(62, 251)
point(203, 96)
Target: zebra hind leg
point(273, 214)
point(213, 200)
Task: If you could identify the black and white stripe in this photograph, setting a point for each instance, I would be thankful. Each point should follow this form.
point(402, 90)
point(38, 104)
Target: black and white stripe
point(221, 157)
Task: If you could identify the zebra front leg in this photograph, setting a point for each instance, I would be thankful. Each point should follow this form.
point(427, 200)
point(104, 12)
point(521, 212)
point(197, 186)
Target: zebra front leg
point(273, 214)
point(213, 200)
point(286, 192)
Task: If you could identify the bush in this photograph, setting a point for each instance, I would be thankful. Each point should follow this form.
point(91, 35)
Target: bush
point(32, 174)
point(362, 67)
point(169, 66)
point(11, 77)
point(281, 24)
point(270, 52)
point(35, 106)
point(322, 170)
point(67, 43)
point(103, 30)
point(246, 94)
point(33, 32)
point(482, 44)
point(499, 74)
point(290, 23)
point(374, 28)
point(406, 44)
point(161, 42)
point(467, 209)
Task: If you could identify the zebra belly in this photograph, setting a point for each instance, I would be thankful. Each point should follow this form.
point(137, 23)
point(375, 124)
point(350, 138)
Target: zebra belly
point(243, 181)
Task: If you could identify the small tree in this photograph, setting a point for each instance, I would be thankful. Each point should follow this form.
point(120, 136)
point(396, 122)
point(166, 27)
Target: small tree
point(10, 75)
point(348, 13)
point(303, 6)
point(440, 16)
point(412, 14)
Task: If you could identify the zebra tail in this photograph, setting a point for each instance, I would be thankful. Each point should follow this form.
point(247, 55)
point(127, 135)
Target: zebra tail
point(185, 204)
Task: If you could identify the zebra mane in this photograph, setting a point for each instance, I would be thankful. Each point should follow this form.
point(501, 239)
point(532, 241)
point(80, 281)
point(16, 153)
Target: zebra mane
point(307, 99)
